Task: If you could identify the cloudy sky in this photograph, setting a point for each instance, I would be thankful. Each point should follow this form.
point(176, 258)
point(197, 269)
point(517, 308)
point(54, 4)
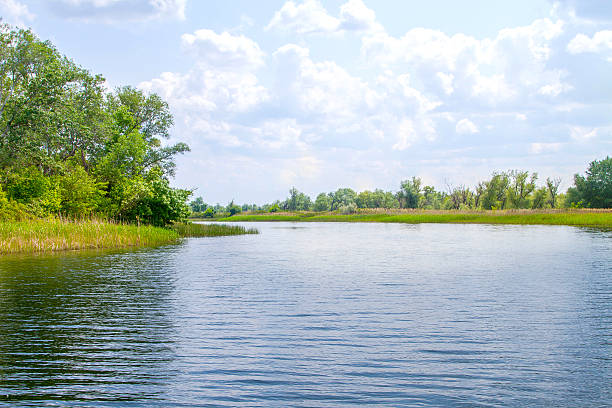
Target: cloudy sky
point(353, 93)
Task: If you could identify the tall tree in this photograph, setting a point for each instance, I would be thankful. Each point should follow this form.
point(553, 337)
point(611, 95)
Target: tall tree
point(595, 190)
point(410, 193)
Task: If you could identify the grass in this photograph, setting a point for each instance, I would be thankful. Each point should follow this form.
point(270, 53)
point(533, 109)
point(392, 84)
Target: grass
point(211, 230)
point(49, 235)
point(589, 218)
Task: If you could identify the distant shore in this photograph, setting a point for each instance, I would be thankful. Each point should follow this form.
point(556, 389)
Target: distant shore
point(571, 217)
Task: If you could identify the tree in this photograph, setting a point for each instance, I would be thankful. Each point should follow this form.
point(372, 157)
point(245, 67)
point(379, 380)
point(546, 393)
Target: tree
point(460, 198)
point(322, 202)
point(148, 116)
point(495, 192)
point(410, 193)
point(342, 197)
point(431, 199)
point(520, 188)
point(80, 193)
point(539, 198)
point(594, 190)
point(233, 209)
point(552, 185)
point(297, 201)
point(198, 205)
point(66, 145)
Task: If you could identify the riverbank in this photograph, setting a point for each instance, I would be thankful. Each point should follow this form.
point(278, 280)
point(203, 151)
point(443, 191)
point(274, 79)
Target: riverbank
point(49, 235)
point(573, 217)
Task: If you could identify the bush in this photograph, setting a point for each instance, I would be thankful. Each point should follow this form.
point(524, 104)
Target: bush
point(350, 208)
point(80, 193)
point(39, 193)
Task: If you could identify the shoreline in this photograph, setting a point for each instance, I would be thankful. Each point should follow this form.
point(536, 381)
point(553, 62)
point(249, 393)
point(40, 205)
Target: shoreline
point(573, 217)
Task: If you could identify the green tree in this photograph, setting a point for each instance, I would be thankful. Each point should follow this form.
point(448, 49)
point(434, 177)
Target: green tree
point(80, 193)
point(342, 197)
point(540, 196)
point(198, 205)
point(552, 185)
point(495, 192)
point(409, 194)
point(297, 201)
point(322, 202)
point(233, 209)
point(594, 190)
point(520, 187)
point(460, 198)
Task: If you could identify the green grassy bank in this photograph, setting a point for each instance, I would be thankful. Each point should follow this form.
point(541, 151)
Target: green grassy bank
point(588, 218)
point(48, 235)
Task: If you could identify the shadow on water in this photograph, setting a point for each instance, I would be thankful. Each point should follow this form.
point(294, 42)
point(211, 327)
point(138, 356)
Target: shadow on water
point(84, 326)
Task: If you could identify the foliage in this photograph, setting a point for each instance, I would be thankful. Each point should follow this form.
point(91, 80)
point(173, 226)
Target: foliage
point(198, 205)
point(80, 193)
point(520, 187)
point(350, 208)
point(297, 201)
point(410, 193)
point(342, 197)
point(233, 209)
point(68, 146)
point(495, 195)
point(594, 190)
point(322, 202)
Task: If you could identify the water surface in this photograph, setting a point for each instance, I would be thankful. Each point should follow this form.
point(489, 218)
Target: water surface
point(321, 314)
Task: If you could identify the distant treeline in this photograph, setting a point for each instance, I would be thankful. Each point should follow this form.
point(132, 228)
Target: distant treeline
point(69, 147)
point(512, 189)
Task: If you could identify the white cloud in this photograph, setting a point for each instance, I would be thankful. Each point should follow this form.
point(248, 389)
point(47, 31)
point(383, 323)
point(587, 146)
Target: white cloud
point(307, 17)
point(219, 88)
point(110, 11)
point(582, 134)
point(538, 148)
point(601, 41)
point(466, 127)
point(15, 12)
point(224, 50)
point(310, 17)
point(356, 16)
point(502, 70)
point(322, 88)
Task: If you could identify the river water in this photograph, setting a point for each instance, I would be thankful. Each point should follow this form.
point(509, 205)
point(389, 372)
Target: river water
point(317, 315)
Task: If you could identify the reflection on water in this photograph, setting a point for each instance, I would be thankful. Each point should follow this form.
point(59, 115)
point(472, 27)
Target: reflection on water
point(85, 326)
point(321, 315)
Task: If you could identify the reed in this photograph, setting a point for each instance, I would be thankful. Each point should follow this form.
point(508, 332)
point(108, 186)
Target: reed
point(211, 230)
point(53, 234)
point(587, 218)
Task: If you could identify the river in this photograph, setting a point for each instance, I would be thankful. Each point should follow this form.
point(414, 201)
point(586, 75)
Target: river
point(316, 315)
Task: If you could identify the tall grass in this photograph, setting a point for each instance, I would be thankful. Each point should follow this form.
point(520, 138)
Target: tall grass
point(54, 234)
point(211, 230)
point(590, 218)
point(46, 235)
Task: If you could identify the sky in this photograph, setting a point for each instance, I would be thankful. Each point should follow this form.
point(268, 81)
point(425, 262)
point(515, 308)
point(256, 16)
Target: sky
point(320, 95)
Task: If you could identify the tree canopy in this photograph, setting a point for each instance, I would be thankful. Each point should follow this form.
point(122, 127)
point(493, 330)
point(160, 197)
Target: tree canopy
point(69, 146)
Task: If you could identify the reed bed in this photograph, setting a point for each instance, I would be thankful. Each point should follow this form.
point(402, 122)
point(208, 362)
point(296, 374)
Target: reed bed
point(588, 218)
point(47, 235)
point(211, 230)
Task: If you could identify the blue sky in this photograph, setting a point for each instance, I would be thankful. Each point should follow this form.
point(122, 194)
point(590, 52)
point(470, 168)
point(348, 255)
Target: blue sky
point(353, 93)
